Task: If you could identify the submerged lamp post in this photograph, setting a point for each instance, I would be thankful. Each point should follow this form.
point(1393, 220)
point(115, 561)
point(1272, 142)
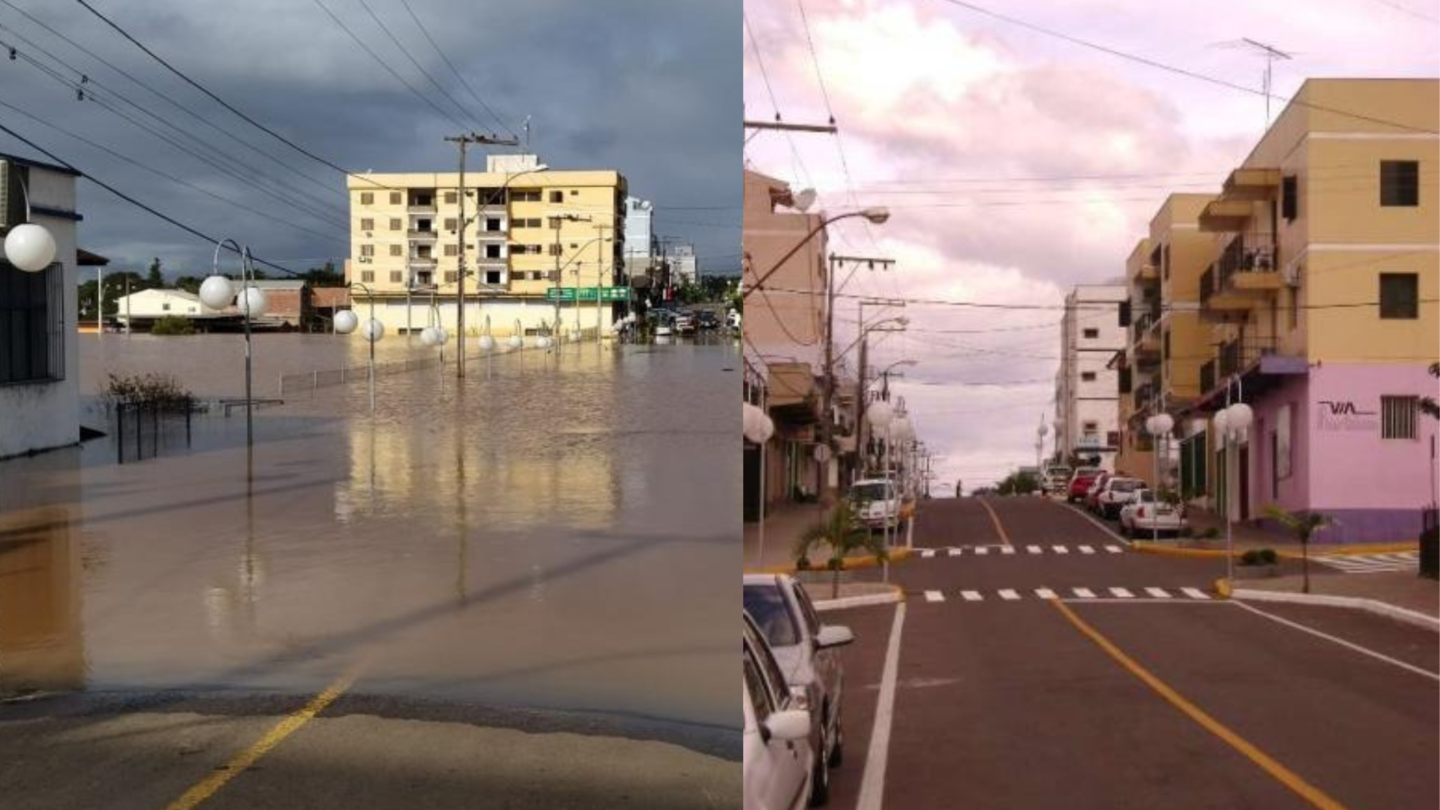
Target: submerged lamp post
point(346, 321)
point(217, 292)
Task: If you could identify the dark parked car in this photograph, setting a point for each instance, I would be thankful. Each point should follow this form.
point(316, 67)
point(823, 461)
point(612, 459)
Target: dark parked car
point(707, 320)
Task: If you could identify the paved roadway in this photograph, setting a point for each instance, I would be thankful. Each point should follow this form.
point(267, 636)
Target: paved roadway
point(1107, 702)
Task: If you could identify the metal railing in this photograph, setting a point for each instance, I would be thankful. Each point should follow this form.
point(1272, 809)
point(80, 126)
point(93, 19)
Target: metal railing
point(1207, 285)
point(1207, 377)
point(1143, 395)
point(312, 380)
point(1239, 354)
point(1246, 253)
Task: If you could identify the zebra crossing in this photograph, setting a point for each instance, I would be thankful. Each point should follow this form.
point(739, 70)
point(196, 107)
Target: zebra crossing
point(1112, 594)
point(1372, 563)
point(1015, 551)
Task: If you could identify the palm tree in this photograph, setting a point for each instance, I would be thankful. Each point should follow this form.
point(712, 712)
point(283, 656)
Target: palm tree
point(1302, 525)
point(1428, 404)
point(843, 532)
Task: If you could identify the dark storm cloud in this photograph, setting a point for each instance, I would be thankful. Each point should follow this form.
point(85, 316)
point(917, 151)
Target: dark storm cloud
point(650, 88)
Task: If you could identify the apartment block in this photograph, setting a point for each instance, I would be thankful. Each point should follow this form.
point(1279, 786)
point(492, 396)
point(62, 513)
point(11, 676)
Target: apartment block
point(541, 245)
point(1087, 415)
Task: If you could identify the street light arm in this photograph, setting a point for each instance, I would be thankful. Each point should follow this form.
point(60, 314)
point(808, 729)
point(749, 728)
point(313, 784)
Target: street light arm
point(760, 282)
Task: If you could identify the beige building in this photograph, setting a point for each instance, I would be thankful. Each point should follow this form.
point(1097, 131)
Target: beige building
point(540, 244)
point(1086, 411)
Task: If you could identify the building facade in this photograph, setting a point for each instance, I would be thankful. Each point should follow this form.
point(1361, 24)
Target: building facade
point(1086, 407)
point(39, 353)
point(543, 248)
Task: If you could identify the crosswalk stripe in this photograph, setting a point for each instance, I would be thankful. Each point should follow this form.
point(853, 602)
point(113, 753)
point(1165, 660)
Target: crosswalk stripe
point(934, 596)
point(1009, 595)
point(971, 596)
point(1194, 593)
point(927, 552)
point(1061, 549)
point(1159, 593)
point(1007, 549)
point(1086, 550)
point(1122, 593)
point(1113, 549)
point(954, 552)
point(1044, 593)
point(981, 550)
point(1032, 549)
point(1084, 593)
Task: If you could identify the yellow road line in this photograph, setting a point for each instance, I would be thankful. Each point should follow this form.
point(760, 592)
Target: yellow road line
point(207, 787)
point(1004, 538)
point(1267, 763)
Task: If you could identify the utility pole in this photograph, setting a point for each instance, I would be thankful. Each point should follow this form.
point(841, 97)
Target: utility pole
point(557, 220)
point(827, 424)
point(464, 141)
point(599, 280)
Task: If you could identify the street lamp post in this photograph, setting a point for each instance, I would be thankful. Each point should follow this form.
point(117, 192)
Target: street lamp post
point(1159, 426)
point(758, 428)
point(877, 215)
point(346, 322)
point(1231, 423)
point(880, 416)
point(217, 292)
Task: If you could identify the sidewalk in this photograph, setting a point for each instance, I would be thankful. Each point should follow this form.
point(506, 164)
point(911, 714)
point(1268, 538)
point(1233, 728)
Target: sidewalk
point(1399, 588)
point(1247, 536)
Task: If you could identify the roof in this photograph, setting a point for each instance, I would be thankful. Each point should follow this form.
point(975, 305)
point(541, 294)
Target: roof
point(35, 164)
point(85, 258)
point(279, 284)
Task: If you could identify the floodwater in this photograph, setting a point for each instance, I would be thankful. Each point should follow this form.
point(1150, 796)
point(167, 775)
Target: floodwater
point(555, 532)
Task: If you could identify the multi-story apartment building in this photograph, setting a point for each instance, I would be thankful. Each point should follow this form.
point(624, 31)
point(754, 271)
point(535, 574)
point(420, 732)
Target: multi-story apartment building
point(39, 355)
point(1086, 407)
point(1321, 297)
point(540, 245)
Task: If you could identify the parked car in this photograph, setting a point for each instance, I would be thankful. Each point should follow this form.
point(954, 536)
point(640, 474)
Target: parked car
point(1057, 477)
point(776, 751)
point(806, 651)
point(732, 319)
point(1092, 494)
point(685, 323)
point(1144, 515)
point(876, 502)
point(1080, 483)
point(1116, 492)
point(707, 320)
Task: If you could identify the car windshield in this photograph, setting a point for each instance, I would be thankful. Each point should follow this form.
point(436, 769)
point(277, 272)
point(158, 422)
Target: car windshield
point(1145, 496)
point(766, 605)
point(878, 491)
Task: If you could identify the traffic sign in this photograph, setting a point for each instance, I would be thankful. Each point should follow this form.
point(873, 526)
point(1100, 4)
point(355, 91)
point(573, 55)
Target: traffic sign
point(587, 294)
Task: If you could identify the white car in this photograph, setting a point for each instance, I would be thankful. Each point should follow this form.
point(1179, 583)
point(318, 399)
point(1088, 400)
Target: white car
point(1143, 516)
point(806, 651)
point(775, 744)
point(1115, 494)
point(876, 502)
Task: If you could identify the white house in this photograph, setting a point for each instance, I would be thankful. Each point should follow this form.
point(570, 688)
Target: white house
point(39, 353)
point(147, 305)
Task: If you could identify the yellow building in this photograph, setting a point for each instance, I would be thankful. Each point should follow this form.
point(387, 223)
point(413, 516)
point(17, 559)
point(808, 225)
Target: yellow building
point(1320, 301)
point(540, 245)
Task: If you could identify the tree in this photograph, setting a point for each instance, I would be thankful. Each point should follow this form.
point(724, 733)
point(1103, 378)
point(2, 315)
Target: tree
point(153, 279)
point(1018, 483)
point(1302, 525)
point(115, 287)
point(843, 532)
point(326, 276)
point(1428, 404)
point(190, 284)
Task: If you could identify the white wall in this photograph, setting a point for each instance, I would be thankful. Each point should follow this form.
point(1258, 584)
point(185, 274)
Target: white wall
point(502, 315)
point(1079, 400)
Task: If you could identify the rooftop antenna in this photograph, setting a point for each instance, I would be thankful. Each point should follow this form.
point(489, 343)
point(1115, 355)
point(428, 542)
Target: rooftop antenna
point(1271, 53)
point(527, 133)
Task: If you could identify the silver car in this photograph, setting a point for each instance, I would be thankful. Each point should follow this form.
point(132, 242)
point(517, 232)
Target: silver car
point(805, 650)
point(1143, 516)
point(776, 771)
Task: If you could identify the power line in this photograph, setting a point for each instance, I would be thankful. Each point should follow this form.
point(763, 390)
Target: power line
point(1110, 307)
point(755, 45)
point(457, 73)
point(418, 66)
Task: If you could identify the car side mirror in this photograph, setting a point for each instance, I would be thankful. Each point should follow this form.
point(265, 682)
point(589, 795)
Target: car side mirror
point(791, 724)
point(833, 635)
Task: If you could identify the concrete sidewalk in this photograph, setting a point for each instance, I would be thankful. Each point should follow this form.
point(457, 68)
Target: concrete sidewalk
point(1249, 536)
point(1398, 588)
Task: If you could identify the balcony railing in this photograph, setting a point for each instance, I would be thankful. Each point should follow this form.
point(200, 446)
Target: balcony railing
point(1240, 354)
point(1143, 395)
point(1207, 376)
point(1142, 325)
point(1207, 285)
point(419, 234)
point(1247, 253)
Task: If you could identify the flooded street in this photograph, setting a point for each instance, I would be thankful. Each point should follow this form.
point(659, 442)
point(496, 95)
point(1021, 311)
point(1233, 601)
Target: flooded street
point(541, 535)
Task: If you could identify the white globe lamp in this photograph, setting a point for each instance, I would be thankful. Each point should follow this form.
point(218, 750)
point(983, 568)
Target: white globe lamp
point(30, 247)
point(372, 330)
point(251, 302)
point(346, 321)
point(216, 292)
point(1240, 418)
point(751, 419)
point(1164, 423)
point(1222, 423)
point(879, 414)
point(517, 342)
point(487, 344)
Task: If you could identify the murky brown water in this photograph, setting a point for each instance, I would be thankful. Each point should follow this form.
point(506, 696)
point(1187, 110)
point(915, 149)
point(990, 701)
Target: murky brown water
point(552, 533)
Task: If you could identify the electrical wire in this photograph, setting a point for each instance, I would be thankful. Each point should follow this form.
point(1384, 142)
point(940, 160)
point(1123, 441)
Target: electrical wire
point(423, 72)
point(457, 73)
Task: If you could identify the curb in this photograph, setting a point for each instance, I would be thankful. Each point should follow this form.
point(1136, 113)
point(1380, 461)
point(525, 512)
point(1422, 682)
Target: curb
point(1343, 551)
point(1358, 603)
point(1222, 587)
point(851, 563)
point(895, 595)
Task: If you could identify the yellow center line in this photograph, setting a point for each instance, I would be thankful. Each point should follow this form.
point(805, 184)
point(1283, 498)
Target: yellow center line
point(207, 787)
point(994, 518)
point(1282, 774)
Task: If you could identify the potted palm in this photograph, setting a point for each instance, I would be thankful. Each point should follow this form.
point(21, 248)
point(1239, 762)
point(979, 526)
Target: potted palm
point(1303, 525)
point(843, 532)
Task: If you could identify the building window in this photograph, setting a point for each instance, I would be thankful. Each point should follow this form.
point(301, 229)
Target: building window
point(1397, 417)
point(367, 198)
point(1087, 376)
point(396, 276)
point(531, 195)
point(367, 250)
point(1399, 295)
point(492, 251)
point(1400, 183)
point(451, 197)
point(164, 307)
point(1092, 333)
point(397, 250)
point(450, 250)
point(367, 224)
point(395, 224)
point(394, 198)
point(1091, 427)
point(424, 252)
point(492, 224)
point(367, 276)
point(450, 224)
point(1165, 262)
point(556, 249)
point(450, 276)
point(1289, 202)
point(557, 196)
point(493, 277)
point(1124, 313)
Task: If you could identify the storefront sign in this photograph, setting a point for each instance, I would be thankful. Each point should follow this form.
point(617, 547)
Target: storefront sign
point(1337, 416)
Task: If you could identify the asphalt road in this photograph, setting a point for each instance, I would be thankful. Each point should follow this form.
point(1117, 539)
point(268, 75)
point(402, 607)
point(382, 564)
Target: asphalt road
point(1126, 701)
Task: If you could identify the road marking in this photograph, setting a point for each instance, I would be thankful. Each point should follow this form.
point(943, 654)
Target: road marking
point(981, 550)
point(1004, 538)
point(872, 784)
point(1061, 549)
point(1032, 549)
point(1045, 593)
point(1122, 593)
point(1007, 549)
point(1282, 774)
point(934, 596)
point(954, 552)
point(1195, 593)
point(1009, 595)
point(1086, 550)
point(1113, 549)
point(1159, 593)
point(1372, 563)
point(237, 765)
point(1342, 642)
point(927, 552)
point(971, 596)
point(1083, 593)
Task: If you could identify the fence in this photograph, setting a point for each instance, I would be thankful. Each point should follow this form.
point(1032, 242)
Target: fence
point(131, 431)
point(311, 380)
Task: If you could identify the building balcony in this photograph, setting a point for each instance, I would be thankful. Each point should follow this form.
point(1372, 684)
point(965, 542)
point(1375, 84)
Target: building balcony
point(1207, 376)
point(422, 263)
point(423, 236)
point(1143, 395)
point(1242, 278)
point(416, 206)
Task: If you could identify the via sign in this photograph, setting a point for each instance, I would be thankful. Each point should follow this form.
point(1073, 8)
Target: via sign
point(1343, 416)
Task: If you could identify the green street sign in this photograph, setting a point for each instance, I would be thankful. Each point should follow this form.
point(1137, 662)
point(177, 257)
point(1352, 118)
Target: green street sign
point(582, 294)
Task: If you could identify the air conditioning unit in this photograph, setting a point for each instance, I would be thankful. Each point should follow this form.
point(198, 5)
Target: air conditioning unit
point(365, 260)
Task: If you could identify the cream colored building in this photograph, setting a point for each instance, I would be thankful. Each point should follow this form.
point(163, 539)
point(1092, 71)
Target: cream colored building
point(1086, 411)
point(539, 245)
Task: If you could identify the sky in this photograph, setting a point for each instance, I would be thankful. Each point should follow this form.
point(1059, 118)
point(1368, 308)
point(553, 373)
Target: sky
point(646, 88)
point(1017, 164)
